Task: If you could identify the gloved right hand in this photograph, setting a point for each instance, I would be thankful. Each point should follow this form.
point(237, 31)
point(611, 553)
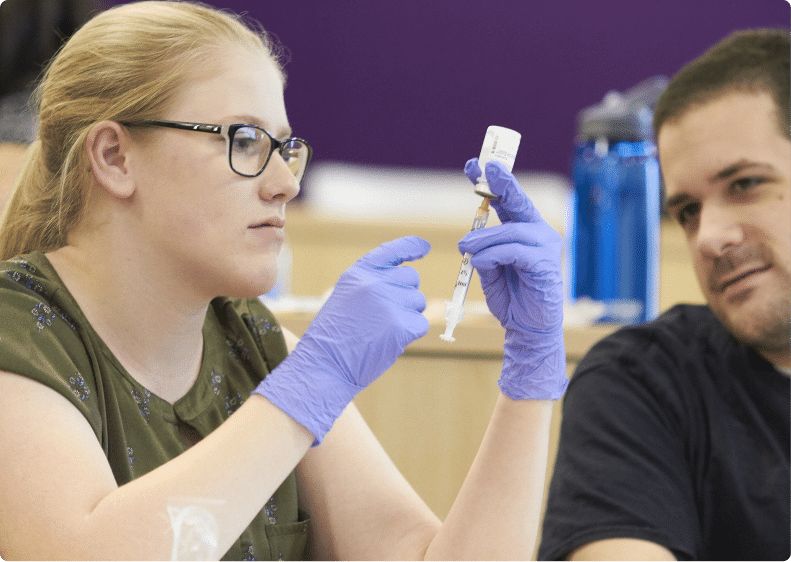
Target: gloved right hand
point(518, 263)
point(373, 313)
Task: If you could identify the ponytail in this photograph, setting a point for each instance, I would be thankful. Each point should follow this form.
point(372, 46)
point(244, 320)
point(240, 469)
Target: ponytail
point(23, 226)
point(42, 208)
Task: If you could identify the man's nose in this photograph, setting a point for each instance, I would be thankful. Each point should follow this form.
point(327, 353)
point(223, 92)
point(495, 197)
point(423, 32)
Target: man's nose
point(718, 229)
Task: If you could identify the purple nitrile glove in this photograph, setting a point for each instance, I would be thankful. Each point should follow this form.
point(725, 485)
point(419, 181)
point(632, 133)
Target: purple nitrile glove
point(373, 313)
point(519, 266)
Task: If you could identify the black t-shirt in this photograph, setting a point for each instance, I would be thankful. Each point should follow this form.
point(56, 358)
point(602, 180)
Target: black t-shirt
point(675, 433)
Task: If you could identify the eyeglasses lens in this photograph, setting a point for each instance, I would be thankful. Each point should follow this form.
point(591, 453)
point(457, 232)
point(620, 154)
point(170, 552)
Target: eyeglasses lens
point(251, 148)
point(295, 153)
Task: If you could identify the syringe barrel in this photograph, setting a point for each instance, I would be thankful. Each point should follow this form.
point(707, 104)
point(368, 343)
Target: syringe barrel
point(500, 144)
point(454, 309)
point(462, 281)
point(465, 271)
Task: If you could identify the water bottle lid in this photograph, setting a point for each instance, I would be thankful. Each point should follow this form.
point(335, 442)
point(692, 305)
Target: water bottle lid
point(623, 116)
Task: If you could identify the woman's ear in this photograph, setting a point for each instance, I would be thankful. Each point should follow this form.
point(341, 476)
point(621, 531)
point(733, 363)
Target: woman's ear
point(108, 152)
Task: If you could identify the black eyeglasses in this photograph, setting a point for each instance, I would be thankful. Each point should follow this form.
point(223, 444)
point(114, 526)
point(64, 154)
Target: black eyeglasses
point(249, 147)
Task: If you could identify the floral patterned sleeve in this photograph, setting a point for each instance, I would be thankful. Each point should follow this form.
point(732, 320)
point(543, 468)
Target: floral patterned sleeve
point(40, 338)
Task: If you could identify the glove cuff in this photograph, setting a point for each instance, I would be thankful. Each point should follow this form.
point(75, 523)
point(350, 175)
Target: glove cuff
point(311, 396)
point(534, 366)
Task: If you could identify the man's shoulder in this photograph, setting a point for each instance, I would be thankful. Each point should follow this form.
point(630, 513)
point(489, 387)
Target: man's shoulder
point(685, 347)
point(683, 327)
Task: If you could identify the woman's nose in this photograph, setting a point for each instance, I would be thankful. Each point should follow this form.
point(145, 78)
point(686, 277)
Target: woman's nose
point(277, 182)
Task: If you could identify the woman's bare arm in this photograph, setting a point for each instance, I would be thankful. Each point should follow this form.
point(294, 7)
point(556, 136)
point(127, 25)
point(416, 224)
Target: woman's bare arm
point(59, 499)
point(362, 508)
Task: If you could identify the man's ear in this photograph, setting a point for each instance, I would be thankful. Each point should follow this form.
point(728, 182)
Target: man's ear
point(108, 152)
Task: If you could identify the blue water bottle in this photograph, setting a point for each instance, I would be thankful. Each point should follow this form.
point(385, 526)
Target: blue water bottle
point(613, 239)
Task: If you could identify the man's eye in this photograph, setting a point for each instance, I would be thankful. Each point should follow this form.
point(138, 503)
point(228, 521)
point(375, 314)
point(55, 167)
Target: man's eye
point(687, 213)
point(746, 184)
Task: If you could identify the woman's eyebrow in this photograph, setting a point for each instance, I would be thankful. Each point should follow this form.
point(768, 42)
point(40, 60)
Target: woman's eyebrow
point(283, 133)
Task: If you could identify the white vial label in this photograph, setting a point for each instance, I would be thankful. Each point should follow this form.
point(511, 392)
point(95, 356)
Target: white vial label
point(499, 144)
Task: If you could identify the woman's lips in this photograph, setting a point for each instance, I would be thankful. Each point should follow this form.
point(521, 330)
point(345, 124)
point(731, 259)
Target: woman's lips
point(275, 222)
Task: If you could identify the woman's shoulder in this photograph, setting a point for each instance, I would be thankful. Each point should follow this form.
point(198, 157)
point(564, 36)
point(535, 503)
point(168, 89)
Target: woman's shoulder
point(29, 272)
point(30, 286)
point(40, 338)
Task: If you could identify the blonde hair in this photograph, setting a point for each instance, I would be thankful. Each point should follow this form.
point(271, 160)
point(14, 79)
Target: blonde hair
point(125, 64)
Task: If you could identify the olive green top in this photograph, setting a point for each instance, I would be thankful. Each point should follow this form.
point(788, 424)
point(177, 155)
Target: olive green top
point(45, 336)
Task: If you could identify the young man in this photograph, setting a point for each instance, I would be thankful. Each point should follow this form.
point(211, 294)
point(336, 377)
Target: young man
point(675, 437)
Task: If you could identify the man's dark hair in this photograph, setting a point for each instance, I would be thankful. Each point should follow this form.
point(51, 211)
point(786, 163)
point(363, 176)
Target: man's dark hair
point(754, 60)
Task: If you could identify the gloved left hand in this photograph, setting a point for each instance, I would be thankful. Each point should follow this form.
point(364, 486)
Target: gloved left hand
point(518, 262)
point(373, 313)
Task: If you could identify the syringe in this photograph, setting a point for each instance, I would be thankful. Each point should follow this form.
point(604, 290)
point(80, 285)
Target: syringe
point(500, 144)
point(454, 309)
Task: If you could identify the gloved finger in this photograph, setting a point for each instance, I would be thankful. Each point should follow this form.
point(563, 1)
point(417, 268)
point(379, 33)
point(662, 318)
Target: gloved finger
point(409, 299)
point(418, 327)
point(473, 170)
point(511, 204)
point(404, 276)
point(493, 276)
point(528, 234)
point(525, 258)
point(414, 324)
point(395, 252)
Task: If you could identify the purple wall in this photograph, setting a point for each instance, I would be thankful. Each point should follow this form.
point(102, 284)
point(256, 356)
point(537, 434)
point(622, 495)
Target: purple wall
point(416, 82)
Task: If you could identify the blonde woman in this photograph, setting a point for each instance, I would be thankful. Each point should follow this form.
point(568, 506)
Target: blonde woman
point(138, 370)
